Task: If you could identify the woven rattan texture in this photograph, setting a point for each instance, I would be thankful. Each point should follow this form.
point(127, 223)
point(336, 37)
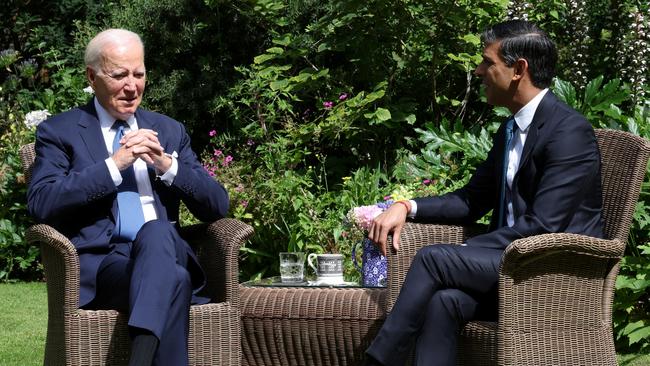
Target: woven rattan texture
point(89, 338)
point(309, 326)
point(555, 290)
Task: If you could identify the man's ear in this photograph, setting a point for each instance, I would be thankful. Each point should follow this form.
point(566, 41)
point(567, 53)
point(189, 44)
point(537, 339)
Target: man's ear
point(520, 68)
point(90, 76)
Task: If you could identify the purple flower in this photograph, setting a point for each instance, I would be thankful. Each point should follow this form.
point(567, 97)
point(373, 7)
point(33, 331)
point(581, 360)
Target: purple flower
point(212, 133)
point(343, 96)
point(328, 105)
point(250, 142)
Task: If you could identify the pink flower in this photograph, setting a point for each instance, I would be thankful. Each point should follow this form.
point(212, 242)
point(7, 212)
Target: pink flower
point(217, 152)
point(386, 198)
point(426, 182)
point(244, 203)
point(328, 105)
point(212, 133)
point(239, 188)
point(362, 216)
point(228, 159)
point(343, 96)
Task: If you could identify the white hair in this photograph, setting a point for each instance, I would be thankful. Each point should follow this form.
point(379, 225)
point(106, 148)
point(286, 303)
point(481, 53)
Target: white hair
point(96, 46)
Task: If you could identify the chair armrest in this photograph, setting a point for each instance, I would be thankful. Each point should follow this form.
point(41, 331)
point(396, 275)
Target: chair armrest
point(217, 247)
point(61, 265)
point(521, 251)
point(557, 283)
point(413, 237)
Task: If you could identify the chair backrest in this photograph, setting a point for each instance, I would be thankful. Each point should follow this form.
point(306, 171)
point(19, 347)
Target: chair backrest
point(27, 156)
point(624, 159)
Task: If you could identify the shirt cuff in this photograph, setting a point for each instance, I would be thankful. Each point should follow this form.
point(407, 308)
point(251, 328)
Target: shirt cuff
point(414, 209)
point(169, 175)
point(116, 176)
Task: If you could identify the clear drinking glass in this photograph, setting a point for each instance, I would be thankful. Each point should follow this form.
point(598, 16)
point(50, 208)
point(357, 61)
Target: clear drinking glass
point(292, 267)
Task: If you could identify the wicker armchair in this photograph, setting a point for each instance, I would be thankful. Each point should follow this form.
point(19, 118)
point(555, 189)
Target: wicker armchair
point(83, 337)
point(555, 290)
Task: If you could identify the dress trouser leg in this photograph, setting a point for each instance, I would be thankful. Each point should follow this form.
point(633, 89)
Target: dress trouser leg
point(150, 281)
point(435, 268)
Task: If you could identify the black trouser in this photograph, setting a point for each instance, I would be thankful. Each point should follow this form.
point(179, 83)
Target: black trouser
point(445, 287)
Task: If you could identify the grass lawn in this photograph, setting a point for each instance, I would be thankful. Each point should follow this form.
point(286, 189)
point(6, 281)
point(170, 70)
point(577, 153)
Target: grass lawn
point(23, 323)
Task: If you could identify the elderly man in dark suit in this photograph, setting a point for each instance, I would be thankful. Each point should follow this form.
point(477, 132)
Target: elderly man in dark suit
point(541, 176)
point(110, 176)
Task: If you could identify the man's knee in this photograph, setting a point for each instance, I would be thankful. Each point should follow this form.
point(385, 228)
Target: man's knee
point(157, 237)
point(432, 253)
point(456, 303)
point(156, 227)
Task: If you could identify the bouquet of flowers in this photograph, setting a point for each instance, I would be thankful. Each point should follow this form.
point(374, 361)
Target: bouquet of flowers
point(362, 216)
point(374, 266)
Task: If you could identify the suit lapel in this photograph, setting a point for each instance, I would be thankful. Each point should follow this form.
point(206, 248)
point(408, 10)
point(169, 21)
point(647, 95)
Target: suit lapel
point(536, 126)
point(91, 133)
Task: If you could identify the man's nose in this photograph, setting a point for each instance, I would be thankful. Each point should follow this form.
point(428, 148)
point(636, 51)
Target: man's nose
point(129, 83)
point(477, 71)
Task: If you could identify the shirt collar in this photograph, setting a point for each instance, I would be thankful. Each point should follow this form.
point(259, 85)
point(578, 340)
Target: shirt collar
point(106, 121)
point(524, 117)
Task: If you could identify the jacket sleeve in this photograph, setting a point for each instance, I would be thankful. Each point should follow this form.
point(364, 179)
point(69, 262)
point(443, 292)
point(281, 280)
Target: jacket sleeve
point(206, 198)
point(57, 190)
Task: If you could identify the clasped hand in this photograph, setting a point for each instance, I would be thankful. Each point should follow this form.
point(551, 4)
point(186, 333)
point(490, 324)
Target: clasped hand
point(142, 144)
point(390, 221)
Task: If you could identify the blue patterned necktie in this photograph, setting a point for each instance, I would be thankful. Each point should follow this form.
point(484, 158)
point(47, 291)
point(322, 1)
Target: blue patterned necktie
point(130, 217)
point(506, 153)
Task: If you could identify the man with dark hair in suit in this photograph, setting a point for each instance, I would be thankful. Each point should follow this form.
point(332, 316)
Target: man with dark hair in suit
point(110, 176)
point(542, 175)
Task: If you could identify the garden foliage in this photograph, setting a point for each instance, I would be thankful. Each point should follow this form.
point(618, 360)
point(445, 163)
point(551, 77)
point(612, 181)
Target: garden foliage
point(305, 109)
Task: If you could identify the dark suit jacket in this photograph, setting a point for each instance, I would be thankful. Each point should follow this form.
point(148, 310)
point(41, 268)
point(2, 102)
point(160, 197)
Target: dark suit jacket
point(556, 189)
point(72, 190)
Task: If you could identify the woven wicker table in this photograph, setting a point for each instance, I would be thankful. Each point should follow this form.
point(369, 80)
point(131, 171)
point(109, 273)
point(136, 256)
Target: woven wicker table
point(309, 326)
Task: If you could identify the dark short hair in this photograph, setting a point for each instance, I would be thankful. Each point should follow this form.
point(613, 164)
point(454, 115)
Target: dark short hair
point(521, 39)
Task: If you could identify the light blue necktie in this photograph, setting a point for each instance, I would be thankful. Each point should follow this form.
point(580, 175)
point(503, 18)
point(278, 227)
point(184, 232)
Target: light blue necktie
point(506, 152)
point(130, 217)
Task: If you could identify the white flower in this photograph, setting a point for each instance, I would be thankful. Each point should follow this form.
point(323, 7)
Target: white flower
point(89, 90)
point(34, 118)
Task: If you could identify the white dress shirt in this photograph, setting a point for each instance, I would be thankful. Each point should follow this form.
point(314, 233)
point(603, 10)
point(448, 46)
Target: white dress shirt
point(140, 167)
point(523, 119)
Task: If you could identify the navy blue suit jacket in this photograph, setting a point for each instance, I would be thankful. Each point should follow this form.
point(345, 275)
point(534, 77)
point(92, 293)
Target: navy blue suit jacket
point(556, 189)
point(72, 190)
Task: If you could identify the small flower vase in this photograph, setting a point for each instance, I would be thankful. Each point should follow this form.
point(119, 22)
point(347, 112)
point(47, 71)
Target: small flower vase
point(374, 267)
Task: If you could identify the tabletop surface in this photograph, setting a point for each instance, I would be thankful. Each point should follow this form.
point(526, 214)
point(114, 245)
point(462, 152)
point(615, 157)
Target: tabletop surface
point(309, 282)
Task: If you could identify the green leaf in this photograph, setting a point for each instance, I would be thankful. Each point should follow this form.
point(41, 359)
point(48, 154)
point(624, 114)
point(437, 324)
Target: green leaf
point(592, 89)
point(275, 50)
point(383, 114)
point(263, 58)
point(279, 84)
point(410, 119)
point(472, 38)
point(565, 92)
